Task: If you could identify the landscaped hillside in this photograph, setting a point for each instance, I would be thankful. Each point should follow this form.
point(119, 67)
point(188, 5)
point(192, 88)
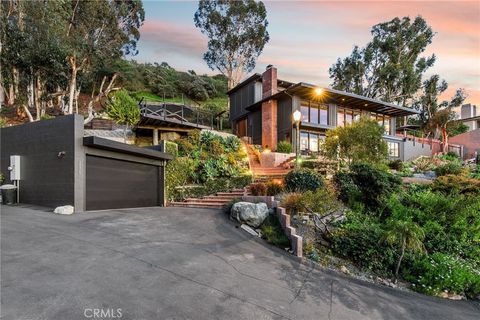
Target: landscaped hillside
point(161, 82)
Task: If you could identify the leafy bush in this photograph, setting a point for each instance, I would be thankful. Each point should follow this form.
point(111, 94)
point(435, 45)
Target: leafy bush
point(347, 190)
point(358, 238)
point(177, 173)
point(450, 156)
point(258, 189)
point(374, 185)
point(475, 174)
point(302, 180)
point(448, 168)
point(171, 147)
point(362, 141)
point(309, 164)
point(284, 147)
point(272, 232)
point(322, 201)
point(444, 273)
point(457, 184)
point(292, 202)
point(396, 165)
point(274, 188)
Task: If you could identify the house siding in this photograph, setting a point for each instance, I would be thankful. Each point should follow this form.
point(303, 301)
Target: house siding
point(241, 99)
point(284, 119)
point(255, 126)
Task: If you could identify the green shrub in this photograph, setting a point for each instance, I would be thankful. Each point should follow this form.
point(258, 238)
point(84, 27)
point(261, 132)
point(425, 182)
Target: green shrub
point(450, 156)
point(258, 189)
point(284, 147)
point(444, 273)
point(274, 188)
point(309, 164)
point(322, 201)
point(347, 190)
point(448, 168)
point(177, 173)
point(456, 184)
point(292, 202)
point(172, 148)
point(374, 186)
point(272, 232)
point(475, 174)
point(358, 238)
point(302, 180)
point(396, 165)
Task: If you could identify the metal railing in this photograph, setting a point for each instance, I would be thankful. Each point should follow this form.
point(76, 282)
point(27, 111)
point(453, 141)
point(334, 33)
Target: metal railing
point(177, 113)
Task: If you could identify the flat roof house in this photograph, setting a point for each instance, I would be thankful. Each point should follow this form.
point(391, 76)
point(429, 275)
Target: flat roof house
point(261, 109)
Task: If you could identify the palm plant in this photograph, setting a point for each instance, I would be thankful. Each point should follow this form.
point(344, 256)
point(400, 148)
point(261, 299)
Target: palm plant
point(405, 234)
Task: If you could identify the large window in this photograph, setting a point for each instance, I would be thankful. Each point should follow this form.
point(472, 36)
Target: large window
point(303, 140)
point(393, 149)
point(311, 142)
point(314, 112)
point(305, 110)
point(347, 116)
point(383, 121)
point(340, 118)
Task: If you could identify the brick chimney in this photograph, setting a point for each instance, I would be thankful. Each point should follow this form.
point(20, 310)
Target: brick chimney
point(269, 108)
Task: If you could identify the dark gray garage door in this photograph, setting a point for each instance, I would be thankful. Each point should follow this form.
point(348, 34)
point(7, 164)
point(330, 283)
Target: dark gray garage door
point(113, 183)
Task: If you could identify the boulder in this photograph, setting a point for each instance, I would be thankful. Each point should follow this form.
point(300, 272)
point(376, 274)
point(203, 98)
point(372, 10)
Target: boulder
point(64, 210)
point(249, 213)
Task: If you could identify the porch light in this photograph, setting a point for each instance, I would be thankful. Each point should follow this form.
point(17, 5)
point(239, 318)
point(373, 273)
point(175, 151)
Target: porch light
point(297, 115)
point(318, 91)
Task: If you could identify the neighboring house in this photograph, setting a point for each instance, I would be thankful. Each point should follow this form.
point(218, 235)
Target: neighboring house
point(261, 109)
point(470, 142)
point(469, 116)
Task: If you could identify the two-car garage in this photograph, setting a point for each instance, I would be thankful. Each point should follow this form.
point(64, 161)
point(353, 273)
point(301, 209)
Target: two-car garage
point(59, 166)
point(122, 176)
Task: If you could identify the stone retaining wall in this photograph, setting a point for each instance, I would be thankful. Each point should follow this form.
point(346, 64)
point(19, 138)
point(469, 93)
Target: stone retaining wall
point(296, 241)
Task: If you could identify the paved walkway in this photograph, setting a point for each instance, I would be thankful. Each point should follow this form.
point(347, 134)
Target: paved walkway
point(179, 263)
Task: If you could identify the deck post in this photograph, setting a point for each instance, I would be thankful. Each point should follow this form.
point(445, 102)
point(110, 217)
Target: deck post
point(155, 137)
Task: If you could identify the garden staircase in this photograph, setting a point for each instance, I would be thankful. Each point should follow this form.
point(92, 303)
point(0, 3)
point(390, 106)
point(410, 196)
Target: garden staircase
point(264, 174)
point(216, 201)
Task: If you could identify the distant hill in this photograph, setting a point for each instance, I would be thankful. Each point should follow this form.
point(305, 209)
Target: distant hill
point(160, 82)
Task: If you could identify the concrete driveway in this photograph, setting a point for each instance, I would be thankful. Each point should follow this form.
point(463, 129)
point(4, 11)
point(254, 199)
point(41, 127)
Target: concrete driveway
point(178, 263)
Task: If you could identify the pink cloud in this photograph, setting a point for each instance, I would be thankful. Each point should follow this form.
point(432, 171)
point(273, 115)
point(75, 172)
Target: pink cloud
point(168, 37)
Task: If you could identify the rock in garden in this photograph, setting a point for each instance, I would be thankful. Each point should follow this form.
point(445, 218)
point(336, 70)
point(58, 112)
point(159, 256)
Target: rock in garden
point(249, 230)
point(64, 210)
point(252, 214)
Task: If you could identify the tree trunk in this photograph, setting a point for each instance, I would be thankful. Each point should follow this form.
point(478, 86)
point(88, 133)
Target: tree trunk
point(72, 88)
point(27, 111)
point(444, 140)
point(399, 261)
point(37, 100)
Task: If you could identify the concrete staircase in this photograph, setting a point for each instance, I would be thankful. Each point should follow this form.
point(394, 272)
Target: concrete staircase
point(216, 201)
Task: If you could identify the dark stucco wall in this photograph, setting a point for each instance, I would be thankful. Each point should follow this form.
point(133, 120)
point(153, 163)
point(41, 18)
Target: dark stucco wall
point(47, 179)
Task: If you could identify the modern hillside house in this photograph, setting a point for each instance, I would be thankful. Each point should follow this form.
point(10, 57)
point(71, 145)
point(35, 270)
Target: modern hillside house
point(261, 109)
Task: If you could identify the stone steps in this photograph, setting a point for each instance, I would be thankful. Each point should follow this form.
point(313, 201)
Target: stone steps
point(216, 201)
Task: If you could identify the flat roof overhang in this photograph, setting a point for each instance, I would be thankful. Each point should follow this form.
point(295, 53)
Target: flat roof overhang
point(106, 144)
point(341, 98)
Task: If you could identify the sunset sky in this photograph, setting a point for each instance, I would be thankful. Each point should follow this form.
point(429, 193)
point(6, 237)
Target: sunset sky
point(306, 38)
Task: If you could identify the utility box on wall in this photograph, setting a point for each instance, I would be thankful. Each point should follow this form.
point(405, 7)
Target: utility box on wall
point(14, 168)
